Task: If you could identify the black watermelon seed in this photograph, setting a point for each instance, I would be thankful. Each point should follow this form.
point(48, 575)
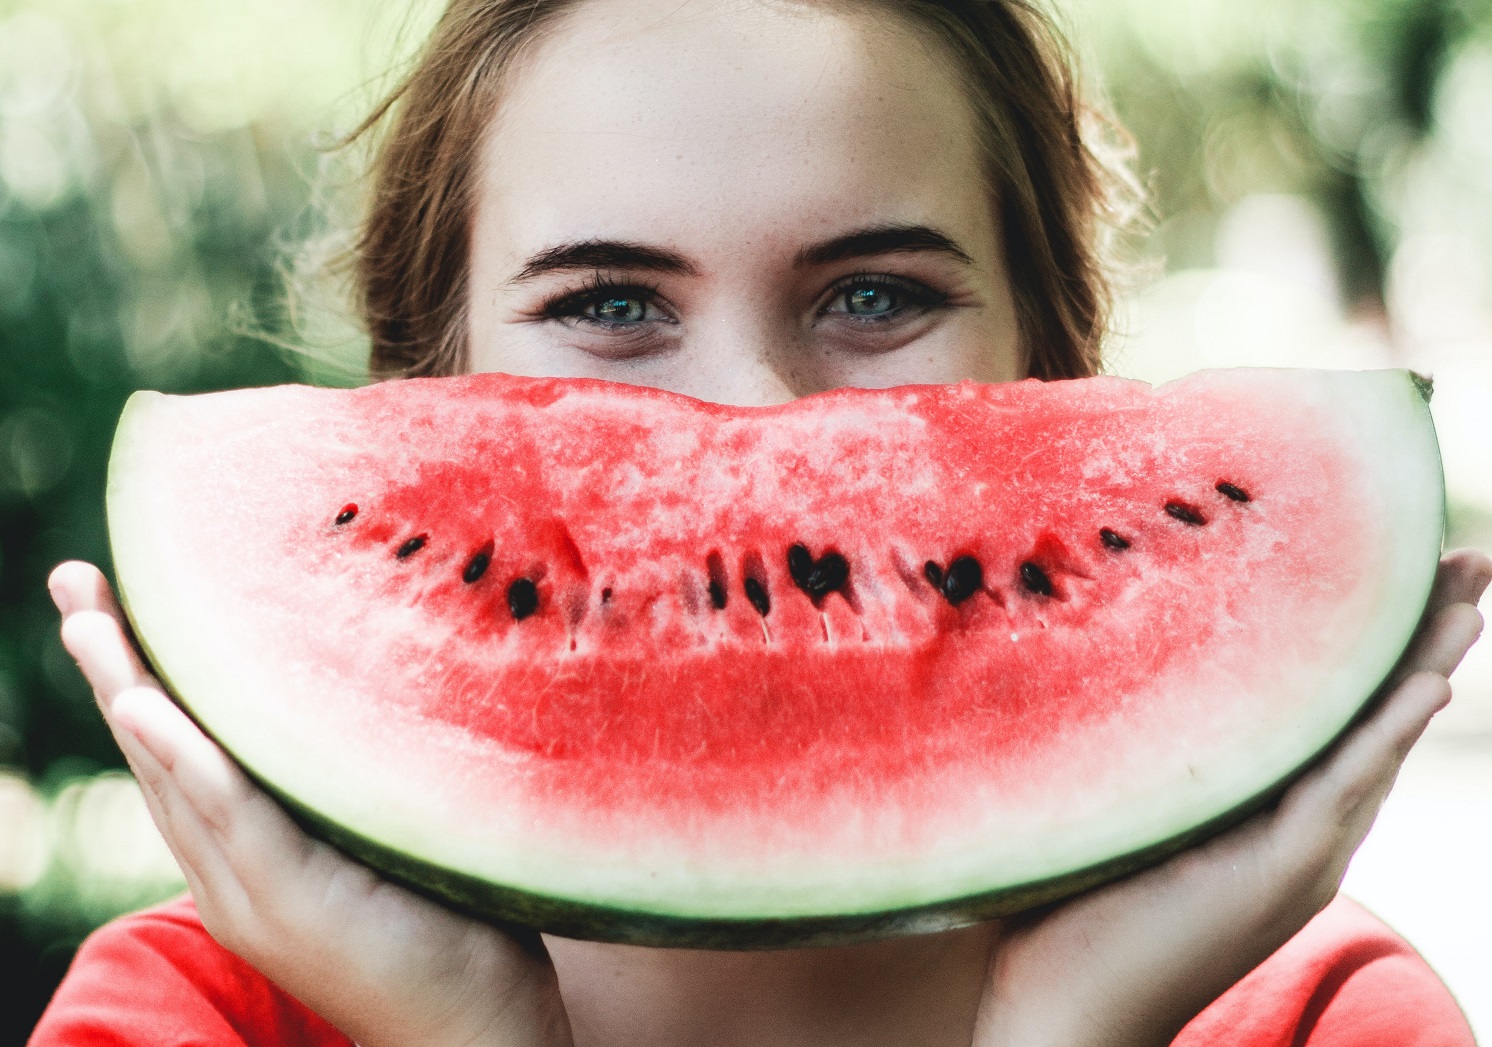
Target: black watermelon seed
point(1186, 514)
point(1113, 539)
point(757, 594)
point(818, 577)
point(346, 515)
point(830, 574)
point(1035, 579)
point(476, 568)
point(715, 568)
point(799, 563)
point(523, 598)
point(964, 578)
point(411, 547)
point(1238, 494)
point(934, 574)
point(606, 595)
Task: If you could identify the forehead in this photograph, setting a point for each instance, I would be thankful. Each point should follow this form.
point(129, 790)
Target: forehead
point(662, 119)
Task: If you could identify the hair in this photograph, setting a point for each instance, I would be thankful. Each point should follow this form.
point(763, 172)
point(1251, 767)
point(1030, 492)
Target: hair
point(1056, 165)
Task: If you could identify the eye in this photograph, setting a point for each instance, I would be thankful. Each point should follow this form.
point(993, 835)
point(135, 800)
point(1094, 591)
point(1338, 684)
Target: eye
point(870, 301)
point(876, 298)
point(609, 307)
point(619, 310)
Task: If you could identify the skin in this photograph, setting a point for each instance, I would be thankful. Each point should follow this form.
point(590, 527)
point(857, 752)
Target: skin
point(736, 140)
point(816, 128)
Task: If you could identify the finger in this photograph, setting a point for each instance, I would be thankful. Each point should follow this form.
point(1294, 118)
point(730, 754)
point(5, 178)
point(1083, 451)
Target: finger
point(256, 870)
point(107, 660)
point(1333, 806)
point(1444, 641)
point(257, 836)
point(79, 586)
point(1463, 576)
point(207, 779)
point(193, 847)
point(211, 877)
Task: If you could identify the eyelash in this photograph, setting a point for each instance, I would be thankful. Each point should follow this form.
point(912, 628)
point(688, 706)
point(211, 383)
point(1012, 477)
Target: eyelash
point(917, 295)
point(572, 305)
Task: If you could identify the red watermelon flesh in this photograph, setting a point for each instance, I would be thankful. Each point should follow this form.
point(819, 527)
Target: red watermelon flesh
point(625, 664)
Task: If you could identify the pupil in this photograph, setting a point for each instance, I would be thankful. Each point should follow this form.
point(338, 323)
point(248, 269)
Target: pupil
point(869, 301)
point(620, 310)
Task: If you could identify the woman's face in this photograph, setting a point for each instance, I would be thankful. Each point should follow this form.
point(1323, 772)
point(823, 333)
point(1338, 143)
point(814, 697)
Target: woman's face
point(741, 200)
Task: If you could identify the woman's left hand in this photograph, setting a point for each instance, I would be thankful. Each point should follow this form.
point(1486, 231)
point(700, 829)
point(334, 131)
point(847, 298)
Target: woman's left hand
point(1128, 965)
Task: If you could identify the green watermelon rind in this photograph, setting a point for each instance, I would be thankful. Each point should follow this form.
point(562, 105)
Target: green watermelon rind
point(838, 917)
point(568, 918)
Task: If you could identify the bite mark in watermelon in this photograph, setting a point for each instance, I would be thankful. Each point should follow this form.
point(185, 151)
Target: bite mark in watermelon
point(620, 664)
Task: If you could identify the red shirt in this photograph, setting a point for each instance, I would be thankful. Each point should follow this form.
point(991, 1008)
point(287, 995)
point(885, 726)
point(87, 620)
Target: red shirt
point(157, 979)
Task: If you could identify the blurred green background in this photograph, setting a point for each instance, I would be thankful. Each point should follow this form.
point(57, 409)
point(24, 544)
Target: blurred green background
point(1322, 179)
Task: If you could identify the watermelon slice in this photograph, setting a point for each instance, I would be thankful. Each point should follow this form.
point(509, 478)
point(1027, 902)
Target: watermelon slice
point(620, 664)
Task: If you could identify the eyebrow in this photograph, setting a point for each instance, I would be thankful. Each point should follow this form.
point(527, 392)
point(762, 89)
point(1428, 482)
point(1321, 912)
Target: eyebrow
point(882, 239)
point(586, 255)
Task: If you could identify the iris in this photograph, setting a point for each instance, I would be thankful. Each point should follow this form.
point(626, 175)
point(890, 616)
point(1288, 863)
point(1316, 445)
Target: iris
point(869, 301)
point(621, 310)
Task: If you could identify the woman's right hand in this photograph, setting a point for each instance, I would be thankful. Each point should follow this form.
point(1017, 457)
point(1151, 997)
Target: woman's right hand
point(386, 966)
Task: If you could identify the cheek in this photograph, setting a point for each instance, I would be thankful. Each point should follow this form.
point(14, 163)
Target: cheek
point(984, 347)
point(496, 341)
point(977, 346)
point(996, 337)
point(493, 348)
point(979, 340)
point(1006, 354)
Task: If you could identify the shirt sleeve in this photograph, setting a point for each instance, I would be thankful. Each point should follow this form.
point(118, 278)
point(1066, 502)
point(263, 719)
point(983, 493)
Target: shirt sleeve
point(157, 978)
point(1345, 980)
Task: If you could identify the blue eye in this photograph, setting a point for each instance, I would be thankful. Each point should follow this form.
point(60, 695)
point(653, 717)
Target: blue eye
point(620, 310)
point(870, 301)
point(609, 307)
point(876, 297)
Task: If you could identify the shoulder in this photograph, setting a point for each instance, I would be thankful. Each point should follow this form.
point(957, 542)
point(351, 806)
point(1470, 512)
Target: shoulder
point(1345, 980)
point(157, 977)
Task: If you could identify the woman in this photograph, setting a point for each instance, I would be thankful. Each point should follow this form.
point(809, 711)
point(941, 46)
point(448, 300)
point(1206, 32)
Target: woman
point(744, 201)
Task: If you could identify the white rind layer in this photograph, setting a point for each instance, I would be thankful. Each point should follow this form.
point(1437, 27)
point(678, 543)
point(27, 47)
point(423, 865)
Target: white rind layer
point(1383, 412)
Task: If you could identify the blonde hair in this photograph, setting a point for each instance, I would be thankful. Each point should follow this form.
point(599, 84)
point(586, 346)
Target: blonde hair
point(1056, 165)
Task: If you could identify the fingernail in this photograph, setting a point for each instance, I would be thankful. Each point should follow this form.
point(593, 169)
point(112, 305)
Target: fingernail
point(60, 598)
